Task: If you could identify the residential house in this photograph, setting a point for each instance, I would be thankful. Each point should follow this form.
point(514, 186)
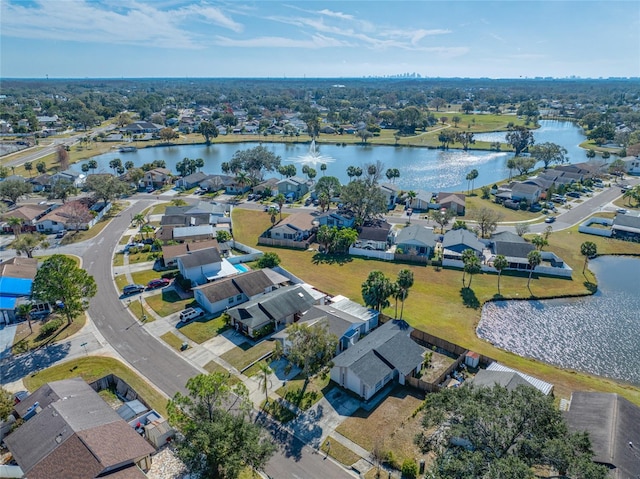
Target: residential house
point(194, 233)
point(192, 180)
point(416, 239)
point(506, 377)
point(526, 192)
point(170, 253)
point(455, 242)
point(41, 183)
point(75, 434)
point(613, 424)
point(390, 193)
point(226, 293)
point(337, 218)
point(513, 247)
point(295, 227)
point(216, 182)
point(234, 187)
point(422, 201)
point(77, 179)
point(385, 355)
point(204, 265)
point(626, 226)
point(375, 236)
point(29, 214)
point(451, 201)
point(156, 178)
point(141, 127)
point(73, 215)
point(16, 280)
point(632, 165)
point(293, 187)
point(203, 213)
point(344, 318)
point(267, 187)
point(271, 311)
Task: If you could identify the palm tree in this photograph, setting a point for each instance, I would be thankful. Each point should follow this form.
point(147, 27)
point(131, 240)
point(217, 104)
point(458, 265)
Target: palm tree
point(16, 225)
point(404, 282)
point(263, 379)
point(28, 166)
point(471, 265)
point(24, 310)
point(539, 241)
point(500, 263)
point(588, 249)
point(535, 258)
point(323, 168)
point(93, 165)
point(280, 200)
point(139, 219)
point(412, 196)
point(273, 213)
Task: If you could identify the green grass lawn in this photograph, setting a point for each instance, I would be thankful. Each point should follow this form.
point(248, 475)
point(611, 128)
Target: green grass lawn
point(201, 329)
point(172, 340)
point(474, 203)
point(435, 303)
point(96, 367)
point(121, 281)
point(292, 391)
point(167, 303)
point(118, 259)
point(242, 356)
point(27, 338)
point(141, 312)
point(279, 412)
point(76, 259)
point(159, 208)
point(143, 277)
point(213, 367)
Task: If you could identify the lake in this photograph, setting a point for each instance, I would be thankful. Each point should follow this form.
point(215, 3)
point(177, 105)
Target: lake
point(598, 334)
point(420, 168)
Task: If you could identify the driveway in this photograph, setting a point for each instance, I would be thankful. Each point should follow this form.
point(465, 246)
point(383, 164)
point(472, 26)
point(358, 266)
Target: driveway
point(7, 333)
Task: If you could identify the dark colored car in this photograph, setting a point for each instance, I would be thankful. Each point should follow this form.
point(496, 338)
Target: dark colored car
point(158, 283)
point(574, 194)
point(132, 289)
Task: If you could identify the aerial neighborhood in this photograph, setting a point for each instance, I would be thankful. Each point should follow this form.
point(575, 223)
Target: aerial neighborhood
point(209, 278)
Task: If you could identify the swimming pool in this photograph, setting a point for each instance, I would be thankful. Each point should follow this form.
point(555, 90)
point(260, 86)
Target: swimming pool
point(241, 268)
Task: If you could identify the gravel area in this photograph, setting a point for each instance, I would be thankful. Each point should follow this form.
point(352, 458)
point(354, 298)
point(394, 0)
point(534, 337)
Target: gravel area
point(165, 465)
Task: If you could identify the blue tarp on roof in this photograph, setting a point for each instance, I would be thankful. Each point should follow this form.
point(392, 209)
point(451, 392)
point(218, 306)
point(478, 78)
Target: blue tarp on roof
point(8, 303)
point(15, 286)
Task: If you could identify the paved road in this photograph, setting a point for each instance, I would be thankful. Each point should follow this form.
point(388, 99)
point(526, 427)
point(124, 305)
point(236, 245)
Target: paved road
point(166, 369)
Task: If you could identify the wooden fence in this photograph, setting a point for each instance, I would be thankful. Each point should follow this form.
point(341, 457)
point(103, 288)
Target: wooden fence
point(123, 390)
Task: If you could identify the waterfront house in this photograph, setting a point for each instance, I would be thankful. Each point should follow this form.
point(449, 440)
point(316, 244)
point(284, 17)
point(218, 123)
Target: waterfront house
point(451, 201)
point(293, 187)
point(337, 218)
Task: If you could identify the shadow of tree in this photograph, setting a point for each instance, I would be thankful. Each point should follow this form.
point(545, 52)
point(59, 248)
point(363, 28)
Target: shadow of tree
point(469, 298)
point(339, 259)
point(498, 296)
point(591, 287)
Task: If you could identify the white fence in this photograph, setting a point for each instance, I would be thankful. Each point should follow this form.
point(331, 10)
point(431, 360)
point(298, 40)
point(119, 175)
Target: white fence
point(99, 216)
point(383, 255)
point(252, 254)
point(564, 270)
point(586, 228)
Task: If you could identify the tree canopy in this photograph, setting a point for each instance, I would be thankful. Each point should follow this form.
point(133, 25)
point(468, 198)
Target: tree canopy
point(520, 138)
point(376, 290)
point(311, 348)
point(106, 187)
point(254, 162)
point(13, 189)
point(60, 280)
point(548, 153)
point(482, 432)
point(218, 438)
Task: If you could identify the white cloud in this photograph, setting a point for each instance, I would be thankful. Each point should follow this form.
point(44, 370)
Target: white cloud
point(315, 42)
point(131, 23)
point(330, 13)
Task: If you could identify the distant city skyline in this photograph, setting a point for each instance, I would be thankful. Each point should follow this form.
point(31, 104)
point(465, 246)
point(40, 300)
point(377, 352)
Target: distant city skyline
point(328, 39)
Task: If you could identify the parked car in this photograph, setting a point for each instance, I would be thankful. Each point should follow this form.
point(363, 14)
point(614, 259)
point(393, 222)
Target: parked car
point(574, 194)
point(61, 234)
point(250, 197)
point(622, 211)
point(188, 315)
point(158, 283)
point(19, 396)
point(132, 289)
point(549, 219)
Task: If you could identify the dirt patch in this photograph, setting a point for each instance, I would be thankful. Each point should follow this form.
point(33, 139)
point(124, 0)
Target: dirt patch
point(439, 364)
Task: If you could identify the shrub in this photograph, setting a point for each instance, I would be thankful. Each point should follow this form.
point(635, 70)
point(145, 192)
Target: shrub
point(409, 469)
point(170, 274)
point(146, 248)
point(49, 328)
point(269, 260)
point(134, 250)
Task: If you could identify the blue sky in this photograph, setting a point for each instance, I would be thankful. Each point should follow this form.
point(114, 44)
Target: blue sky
point(178, 38)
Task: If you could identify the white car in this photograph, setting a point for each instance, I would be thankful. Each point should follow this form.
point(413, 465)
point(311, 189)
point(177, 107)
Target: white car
point(189, 315)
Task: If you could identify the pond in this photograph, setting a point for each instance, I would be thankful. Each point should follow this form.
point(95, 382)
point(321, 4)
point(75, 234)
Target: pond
point(598, 334)
point(420, 168)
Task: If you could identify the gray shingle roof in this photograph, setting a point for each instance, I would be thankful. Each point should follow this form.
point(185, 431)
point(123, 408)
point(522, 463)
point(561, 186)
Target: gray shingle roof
point(461, 237)
point(200, 257)
point(417, 234)
point(389, 345)
point(612, 422)
point(513, 250)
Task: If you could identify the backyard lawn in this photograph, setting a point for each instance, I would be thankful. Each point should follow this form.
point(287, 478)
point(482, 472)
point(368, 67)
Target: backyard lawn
point(168, 302)
point(438, 304)
point(96, 367)
point(242, 356)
